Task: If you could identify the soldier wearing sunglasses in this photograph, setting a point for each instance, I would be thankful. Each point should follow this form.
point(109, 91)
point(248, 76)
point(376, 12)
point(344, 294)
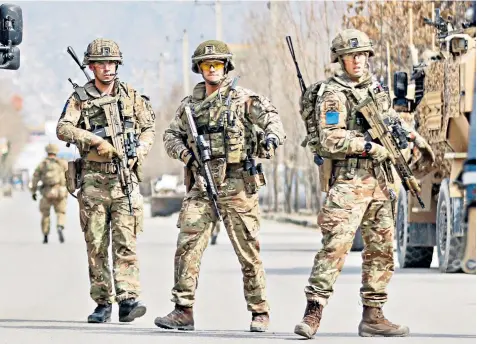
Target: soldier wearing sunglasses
point(239, 125)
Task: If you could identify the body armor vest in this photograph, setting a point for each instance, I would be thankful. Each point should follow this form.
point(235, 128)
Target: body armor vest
point(228, 130)
point(93, 111)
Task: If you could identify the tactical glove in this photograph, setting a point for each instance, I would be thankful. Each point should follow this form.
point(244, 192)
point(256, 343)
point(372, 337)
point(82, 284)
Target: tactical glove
point(270, 145)
point(424, 148)
point(105, 149)
point(379, 153)
point(189, 159)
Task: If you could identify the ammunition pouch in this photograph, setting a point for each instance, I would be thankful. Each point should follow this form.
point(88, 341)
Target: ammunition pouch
point(73, 176)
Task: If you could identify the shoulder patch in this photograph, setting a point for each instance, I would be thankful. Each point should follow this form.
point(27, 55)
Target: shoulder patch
point(332, 117)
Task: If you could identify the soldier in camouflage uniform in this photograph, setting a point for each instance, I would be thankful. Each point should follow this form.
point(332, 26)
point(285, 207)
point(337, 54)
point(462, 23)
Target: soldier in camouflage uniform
point(359, 193)
point(233, 137)
point(104, 207)
point(51, 173)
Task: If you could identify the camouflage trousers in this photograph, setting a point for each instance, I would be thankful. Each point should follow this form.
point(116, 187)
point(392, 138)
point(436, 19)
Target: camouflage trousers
point(240, 212)
point(104, 216)
point(59, 206)
point(361, 201)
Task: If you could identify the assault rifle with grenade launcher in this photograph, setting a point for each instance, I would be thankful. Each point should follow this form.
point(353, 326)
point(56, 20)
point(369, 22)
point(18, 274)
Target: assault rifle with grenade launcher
point(317, 158)
point(202, 153)
point(124, 143)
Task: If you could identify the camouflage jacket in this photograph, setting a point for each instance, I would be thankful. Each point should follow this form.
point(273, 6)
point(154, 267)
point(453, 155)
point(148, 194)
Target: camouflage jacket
point(80, 117)
point(340, 131)
point(51, 172)
point(251, 113)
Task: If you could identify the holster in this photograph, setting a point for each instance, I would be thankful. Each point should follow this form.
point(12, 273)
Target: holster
point(253, 182)
point(73, 175)
point(325, 172)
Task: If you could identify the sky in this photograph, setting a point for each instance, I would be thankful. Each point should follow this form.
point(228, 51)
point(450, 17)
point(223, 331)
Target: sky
point(143, 29)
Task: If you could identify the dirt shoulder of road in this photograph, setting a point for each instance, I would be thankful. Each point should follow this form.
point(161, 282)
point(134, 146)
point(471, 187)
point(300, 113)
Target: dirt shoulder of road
point(305, 220)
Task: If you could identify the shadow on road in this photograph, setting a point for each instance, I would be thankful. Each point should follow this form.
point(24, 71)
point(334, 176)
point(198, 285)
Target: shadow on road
point(346, 270)
point(126, 329)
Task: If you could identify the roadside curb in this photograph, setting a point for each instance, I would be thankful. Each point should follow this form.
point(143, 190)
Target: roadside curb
point(286, 219)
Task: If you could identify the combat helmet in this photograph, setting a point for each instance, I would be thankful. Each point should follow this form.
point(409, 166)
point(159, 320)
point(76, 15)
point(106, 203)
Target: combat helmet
point(102, 50)
point(51, 148)
point(350, 41)
point(212, 50)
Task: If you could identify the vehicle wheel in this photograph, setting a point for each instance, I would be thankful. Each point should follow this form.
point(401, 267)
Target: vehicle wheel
point(409, 256)
point(450, 249)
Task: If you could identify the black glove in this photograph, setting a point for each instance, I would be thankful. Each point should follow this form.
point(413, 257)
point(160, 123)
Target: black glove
point(318, 160)
point(271, 142)
point(270, 145)
point(33, 196)
point(189, 159)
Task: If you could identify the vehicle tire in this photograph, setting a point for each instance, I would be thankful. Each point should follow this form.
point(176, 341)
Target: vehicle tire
point(450, 250)
point(409, 256)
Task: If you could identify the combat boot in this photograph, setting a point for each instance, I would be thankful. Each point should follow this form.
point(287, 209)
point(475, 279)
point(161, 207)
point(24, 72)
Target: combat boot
point(131, 309)
point(60, 234)
point(374, 324)
point(101, 314)
point(213, 239)
point(259, 322)
point(45, 239)
point(311, 320)
point(181, 318)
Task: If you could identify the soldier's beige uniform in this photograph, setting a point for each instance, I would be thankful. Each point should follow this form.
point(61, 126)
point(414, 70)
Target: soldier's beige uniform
point(51, 173)
point(359, 192)
point(104, 208)
point(238, 206)
point(231, 137)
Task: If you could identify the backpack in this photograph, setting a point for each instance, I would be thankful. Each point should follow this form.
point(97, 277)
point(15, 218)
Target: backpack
point(308, 114)
point(52, 172)
point(312, 139)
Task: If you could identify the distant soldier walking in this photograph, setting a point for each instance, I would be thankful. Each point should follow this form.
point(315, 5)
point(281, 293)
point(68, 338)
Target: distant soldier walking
point(51, 173)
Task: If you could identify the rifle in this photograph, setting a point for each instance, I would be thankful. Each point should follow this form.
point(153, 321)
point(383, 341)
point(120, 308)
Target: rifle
point(201, 149)
point(380, 130)
point(317, 158)
point(298, 73)
point(72, 53)
point(116, 132)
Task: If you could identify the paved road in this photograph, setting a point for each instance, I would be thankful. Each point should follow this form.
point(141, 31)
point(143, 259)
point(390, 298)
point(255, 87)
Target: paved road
point(45, 296)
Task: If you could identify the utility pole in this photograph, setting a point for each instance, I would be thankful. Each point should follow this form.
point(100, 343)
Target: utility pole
point(185, 63)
